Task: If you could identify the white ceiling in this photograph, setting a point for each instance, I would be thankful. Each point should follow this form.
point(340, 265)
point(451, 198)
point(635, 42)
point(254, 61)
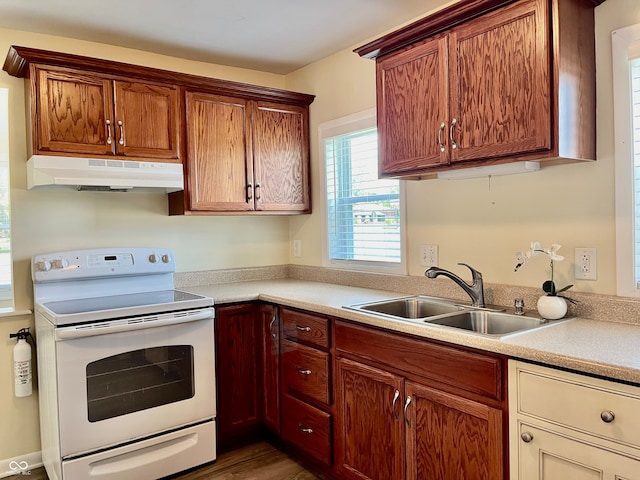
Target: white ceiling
point(276, 36)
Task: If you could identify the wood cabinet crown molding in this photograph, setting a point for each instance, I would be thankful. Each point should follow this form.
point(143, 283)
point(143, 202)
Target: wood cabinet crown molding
point(19, 58)
point(444, 19)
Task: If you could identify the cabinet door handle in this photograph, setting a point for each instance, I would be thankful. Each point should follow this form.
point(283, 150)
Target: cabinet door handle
point(273, 321)
point(406, 405)
point(109, 141)
point(121, 125)
point(257, 191)
point(303, 329)
point(607, 416)
point(305, 429)
point(440, 140)
point(249, 192)
point(526, 437)
point(454, 122)
point(303, 371)
point(396, 395)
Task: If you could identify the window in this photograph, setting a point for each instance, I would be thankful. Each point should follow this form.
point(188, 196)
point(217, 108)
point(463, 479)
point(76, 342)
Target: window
point(6, 291)
point(626, 87)
point(364, 226)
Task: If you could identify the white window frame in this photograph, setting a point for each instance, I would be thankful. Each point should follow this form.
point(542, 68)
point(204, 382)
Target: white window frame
point(353, 123)
point(624, 41)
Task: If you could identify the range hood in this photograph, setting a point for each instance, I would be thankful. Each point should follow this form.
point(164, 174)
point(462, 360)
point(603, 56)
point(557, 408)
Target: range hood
point(103, 174)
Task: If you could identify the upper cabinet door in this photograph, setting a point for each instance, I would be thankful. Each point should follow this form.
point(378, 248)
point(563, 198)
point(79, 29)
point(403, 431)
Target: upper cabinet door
point(219, 167)
point(281, 157)
point(501, 84)
point(147, 120)
point(412, 99)
point(73, 113)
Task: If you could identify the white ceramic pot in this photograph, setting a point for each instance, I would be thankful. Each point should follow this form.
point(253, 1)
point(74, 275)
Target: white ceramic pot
point(552, 308)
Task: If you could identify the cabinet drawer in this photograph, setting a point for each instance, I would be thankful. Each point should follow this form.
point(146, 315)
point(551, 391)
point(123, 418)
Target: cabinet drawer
point(597, 407)
point(306, 328)
point(473, 372)
point(305, 370)
point(307, 427)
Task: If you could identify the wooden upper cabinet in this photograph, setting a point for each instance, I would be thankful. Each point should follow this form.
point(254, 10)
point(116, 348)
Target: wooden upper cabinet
point(485, 82)
point(219, 166)
point(413, 107)
point(281, 157)
point(245, 156)
point(147, 120)
point(500, 83)
point(72, 113)
point(78, 113)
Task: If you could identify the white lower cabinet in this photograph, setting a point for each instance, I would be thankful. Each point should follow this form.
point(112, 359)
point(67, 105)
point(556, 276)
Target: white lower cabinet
point(566, 426)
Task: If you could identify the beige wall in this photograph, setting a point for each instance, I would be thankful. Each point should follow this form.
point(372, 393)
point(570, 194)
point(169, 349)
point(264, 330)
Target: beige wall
point(484, 222)
point(476, 221)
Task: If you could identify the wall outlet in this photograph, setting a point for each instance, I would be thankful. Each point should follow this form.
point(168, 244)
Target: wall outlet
point(297, 248)
point(429, 255)
point(586, 264)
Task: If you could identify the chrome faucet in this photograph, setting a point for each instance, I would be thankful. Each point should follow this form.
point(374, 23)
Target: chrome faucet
point(475, 290)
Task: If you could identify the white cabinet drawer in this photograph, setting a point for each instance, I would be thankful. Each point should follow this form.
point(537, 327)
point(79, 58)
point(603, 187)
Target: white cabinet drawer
point(596, 407)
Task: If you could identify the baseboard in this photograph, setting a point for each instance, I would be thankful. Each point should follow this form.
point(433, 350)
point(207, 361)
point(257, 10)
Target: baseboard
point(21, 465)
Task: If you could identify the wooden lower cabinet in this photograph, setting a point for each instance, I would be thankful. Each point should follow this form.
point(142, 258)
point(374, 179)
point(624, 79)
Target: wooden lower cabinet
point(270, 350)
point(369, 440)
point(238, 368)
point(389, 428)
point(450, 437)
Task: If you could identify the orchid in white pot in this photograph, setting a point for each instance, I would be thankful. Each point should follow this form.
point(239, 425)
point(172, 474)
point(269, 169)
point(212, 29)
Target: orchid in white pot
point(552, 305)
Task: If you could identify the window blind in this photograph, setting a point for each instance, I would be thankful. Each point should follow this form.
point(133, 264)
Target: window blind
point(363, 212)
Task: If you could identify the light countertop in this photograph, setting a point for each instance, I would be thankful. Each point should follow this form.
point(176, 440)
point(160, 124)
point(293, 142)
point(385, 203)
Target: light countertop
point(603, 348)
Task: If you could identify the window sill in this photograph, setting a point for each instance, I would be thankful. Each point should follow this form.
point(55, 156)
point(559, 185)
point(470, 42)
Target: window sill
point(11, 312)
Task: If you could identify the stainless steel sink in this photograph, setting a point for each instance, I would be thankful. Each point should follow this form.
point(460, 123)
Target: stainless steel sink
point(488, 323)
point(410, 307)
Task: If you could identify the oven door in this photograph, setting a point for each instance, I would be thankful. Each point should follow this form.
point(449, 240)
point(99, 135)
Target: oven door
point(128, 379)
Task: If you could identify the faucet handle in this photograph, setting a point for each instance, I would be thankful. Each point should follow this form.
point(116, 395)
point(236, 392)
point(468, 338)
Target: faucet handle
point(475, 273)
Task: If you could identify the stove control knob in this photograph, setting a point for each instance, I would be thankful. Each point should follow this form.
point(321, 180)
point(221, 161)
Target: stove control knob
point(43, 266)
point(59, 263)
point(166, 258)
point(153, 258)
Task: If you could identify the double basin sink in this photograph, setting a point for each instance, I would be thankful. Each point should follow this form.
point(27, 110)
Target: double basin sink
point(434, 311)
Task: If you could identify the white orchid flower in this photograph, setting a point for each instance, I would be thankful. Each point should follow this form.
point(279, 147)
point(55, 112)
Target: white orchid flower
point(552, 253)
point(535, 250)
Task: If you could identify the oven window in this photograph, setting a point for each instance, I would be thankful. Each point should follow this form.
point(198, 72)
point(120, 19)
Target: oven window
point(138, 380)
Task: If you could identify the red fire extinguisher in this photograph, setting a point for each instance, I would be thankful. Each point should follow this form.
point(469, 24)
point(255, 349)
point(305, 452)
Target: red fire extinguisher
point(23, 375)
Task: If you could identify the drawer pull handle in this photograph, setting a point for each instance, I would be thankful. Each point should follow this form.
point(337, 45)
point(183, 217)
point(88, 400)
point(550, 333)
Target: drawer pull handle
point(396, 395)
point(109, 141)
point(406, 405)
point(454, 122)
point(440, 132)
point(305, 429)
point(273, 321)
point(303, 329)
point(607, 416)
point(303, 371)
point(121, 125)
point(527, 437)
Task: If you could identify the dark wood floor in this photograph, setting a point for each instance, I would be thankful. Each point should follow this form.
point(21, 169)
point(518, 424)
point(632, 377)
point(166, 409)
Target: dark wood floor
point(260, 461)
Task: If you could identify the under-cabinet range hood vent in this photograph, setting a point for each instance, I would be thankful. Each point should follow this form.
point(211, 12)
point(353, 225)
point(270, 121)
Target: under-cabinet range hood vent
point(103, 174)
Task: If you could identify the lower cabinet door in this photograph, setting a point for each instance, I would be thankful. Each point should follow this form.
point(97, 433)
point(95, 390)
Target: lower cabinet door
point(369, 425)
point(307, 427)
point(450, 437)
point(543, 455)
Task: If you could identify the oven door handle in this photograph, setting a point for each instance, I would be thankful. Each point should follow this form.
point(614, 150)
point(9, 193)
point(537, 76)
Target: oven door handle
point(132, 324)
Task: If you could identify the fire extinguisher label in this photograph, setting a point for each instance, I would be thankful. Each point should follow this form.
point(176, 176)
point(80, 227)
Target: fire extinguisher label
point(22, 372)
